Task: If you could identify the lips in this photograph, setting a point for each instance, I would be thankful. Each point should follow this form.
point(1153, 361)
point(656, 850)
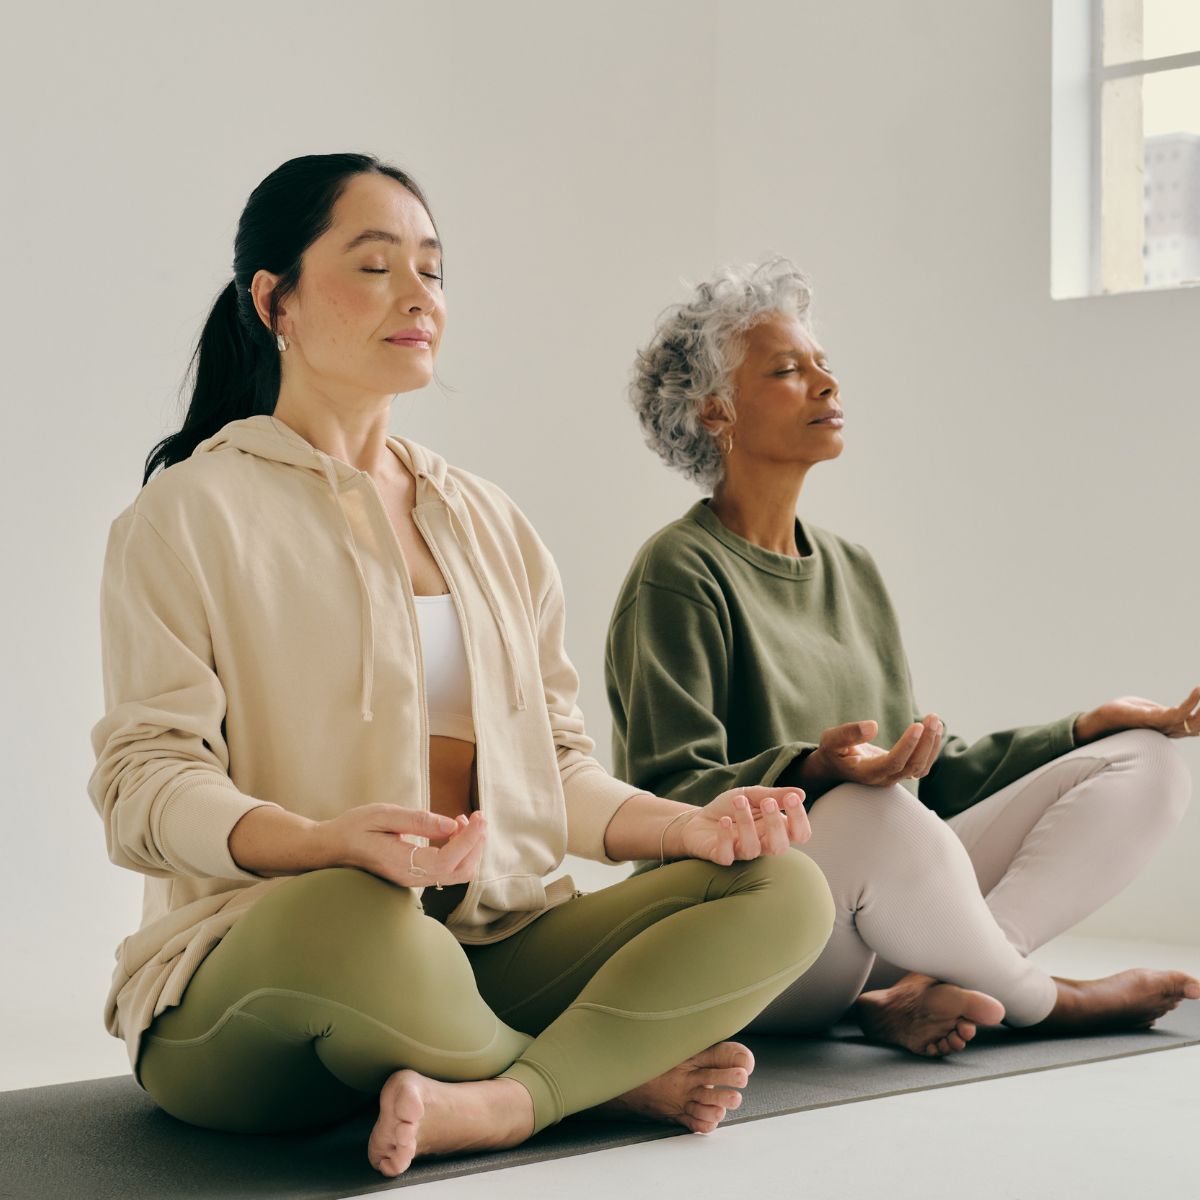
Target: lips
point(834, 414)
point(410, 337)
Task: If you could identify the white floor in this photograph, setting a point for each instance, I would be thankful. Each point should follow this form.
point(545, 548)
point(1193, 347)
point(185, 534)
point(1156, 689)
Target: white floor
point(1115, 1130)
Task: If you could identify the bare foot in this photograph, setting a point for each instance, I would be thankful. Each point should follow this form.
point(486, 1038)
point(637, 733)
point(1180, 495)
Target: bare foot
point(419, 1115)
point(925, 1016)
point(1132, 999)
point(696, 1094)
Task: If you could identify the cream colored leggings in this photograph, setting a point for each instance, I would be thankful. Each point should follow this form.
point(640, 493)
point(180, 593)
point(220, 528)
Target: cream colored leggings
point(966, 899)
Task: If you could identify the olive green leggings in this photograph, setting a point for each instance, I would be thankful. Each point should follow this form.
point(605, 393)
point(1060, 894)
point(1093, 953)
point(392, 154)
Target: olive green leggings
point(337, 978)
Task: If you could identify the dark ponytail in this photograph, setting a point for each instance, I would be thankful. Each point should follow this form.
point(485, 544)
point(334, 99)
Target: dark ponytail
point(235, 366)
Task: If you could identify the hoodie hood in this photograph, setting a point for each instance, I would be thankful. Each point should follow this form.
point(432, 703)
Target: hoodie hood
point(267, 437)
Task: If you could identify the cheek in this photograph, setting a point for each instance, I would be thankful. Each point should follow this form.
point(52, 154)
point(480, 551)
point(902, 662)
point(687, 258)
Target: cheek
point(780, 403)
point(346, 311)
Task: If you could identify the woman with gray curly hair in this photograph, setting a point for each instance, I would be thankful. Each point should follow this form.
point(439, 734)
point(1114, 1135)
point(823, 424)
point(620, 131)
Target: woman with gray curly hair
point(749, 647)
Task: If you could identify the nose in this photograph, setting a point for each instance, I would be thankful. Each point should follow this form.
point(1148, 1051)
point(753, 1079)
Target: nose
point(419, 296)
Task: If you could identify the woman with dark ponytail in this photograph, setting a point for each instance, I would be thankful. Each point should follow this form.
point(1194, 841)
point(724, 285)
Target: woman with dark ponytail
point(236, 361)
point(327, 651)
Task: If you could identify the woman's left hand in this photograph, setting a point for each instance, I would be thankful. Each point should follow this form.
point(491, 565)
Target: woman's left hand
point(1132, 712)
point(746, 823)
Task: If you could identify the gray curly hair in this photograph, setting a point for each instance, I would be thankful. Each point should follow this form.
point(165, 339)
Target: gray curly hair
point(696, 348)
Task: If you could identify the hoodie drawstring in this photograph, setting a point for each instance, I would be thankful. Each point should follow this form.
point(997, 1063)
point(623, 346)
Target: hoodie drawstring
point(366, 613)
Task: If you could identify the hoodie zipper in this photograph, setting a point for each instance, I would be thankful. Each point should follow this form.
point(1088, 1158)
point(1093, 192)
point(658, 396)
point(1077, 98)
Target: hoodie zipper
point(414, 625)
point(473, 884)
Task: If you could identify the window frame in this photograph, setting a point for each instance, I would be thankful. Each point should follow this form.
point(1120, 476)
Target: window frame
point(1094, 265)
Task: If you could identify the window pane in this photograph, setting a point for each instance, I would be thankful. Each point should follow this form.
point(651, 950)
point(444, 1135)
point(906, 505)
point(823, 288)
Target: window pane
point(1171, 101)
point(1171, 27)
point(1171, 111)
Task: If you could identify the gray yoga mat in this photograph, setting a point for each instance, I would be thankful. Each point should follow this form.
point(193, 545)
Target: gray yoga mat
point(105, 1138)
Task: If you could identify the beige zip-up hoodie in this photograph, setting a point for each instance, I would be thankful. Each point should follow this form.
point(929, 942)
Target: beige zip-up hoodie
point(260, 646)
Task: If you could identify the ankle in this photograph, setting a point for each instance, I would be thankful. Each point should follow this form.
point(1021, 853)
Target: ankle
point(510, 1106)
point(916, 979)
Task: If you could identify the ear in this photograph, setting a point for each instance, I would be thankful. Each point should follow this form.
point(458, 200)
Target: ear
point(261, 287)
point(713, 416)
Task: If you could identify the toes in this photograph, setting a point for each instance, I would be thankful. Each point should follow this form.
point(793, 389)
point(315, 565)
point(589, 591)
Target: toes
point(391, 1164)
point(725, 1056)
point(714, 1077)
point(956, 1043)
point(966, 1030)
point(705, 1112)
point(722, 1097)
point(733, 1054)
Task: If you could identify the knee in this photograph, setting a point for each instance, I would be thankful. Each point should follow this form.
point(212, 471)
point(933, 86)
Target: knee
point(339, 910)
point(883, 825)
point(802, 896)
point(349, 890)
point(1163, 780)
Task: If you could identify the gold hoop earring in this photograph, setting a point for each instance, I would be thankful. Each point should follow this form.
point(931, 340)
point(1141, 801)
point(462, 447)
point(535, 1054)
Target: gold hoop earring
point(725, 442)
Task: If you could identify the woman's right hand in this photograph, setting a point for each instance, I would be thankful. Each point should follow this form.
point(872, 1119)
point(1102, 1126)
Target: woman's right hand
point(371, 838)
point(845, 754)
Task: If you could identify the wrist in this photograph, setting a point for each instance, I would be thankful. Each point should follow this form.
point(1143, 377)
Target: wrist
point(271, 841)
point(813, 771)
point(321, 847)
point(1085, 728)
point(671, 840)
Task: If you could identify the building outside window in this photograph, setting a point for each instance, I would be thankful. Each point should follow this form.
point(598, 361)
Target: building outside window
point(1126, 146)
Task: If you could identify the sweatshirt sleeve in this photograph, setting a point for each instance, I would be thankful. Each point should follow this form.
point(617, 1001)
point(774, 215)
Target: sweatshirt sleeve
point(667, 673)
point(965, 773)
point(592, 794)
point(161, 782)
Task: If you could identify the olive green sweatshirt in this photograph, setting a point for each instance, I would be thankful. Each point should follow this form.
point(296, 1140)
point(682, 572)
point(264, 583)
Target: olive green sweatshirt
point(726, 661)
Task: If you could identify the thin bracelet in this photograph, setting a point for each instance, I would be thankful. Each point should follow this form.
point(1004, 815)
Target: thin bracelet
point(662, 841)
point(419, 871)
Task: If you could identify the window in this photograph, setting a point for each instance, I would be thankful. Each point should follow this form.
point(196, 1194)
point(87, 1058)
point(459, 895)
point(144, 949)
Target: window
point(1126, 146)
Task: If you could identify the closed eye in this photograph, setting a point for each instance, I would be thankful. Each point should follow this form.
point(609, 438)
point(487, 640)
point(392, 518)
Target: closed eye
point(823, 364)
point(384, 271)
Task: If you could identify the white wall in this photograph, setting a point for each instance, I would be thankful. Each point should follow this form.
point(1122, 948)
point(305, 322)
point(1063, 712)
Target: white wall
point(1023, 469)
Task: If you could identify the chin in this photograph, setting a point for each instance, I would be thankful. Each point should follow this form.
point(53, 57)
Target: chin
point(410, 381)
point(826, 453)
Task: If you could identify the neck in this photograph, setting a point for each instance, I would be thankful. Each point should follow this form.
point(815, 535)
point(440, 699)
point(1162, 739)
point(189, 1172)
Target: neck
point(760, 505)
point(355, 434)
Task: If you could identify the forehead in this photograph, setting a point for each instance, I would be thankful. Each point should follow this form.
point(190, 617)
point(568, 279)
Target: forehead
point(779, 333)
point(371, 201)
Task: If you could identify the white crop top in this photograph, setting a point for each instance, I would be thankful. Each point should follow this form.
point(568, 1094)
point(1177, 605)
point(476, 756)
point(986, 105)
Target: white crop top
point(447, 679)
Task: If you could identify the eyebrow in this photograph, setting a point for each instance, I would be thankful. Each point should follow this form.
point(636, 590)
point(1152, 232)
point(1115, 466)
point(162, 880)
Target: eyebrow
point(382, 235)
point(794, 353)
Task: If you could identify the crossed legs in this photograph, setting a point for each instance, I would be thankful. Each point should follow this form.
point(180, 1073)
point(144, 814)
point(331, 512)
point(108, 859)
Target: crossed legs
point(964, 900)
point(335, 988)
